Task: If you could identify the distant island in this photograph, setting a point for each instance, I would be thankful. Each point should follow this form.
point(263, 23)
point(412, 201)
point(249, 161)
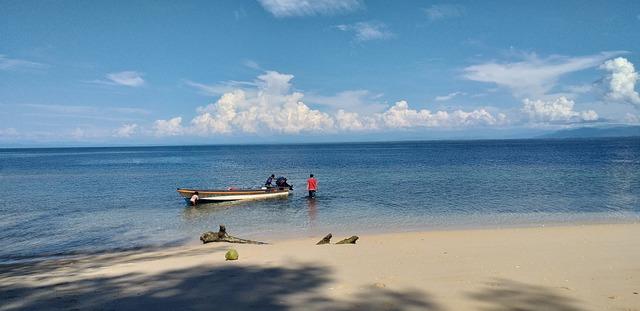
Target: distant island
point(586, 132)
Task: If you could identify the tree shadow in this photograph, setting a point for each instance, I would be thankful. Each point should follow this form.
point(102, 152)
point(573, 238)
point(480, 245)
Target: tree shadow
point(76, 263)
point(230, 287)
point(378, 299)
point(508, 295)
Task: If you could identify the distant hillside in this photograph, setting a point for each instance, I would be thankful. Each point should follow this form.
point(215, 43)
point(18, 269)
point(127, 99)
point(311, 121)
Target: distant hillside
point(585, 132)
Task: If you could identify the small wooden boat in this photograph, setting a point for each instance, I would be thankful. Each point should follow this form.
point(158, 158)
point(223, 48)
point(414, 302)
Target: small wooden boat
point(234, 194)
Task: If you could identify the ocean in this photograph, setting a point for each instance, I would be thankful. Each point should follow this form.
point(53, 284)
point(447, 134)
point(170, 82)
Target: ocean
point(59, 201)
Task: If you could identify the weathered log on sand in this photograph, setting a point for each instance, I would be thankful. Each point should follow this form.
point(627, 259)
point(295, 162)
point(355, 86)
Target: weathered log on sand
point(351, 240)
point(325, 240)
point(222, 236)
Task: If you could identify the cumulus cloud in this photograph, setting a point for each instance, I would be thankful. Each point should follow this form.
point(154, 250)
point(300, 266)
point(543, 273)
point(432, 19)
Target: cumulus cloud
point(14, 64)
point(401, 116)
point(448, 96)
point(443, 11)
point(366, 31)
point(171, 127)
point(291, 8)
point(126, 78)
point(533, 76)
point(621, 81)
point(352, 121)
point(269, 105)
point(126, 130)
point(559, 110)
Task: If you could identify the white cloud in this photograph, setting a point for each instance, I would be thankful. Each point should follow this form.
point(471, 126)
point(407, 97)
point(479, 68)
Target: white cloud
point(366, 31)
point(210, 90)
point(559, 110)
point(632, 118)
point(532, 76)
point(171, 127)
point(443, 11)
point(126, 130)
point(252, 64)
point(125, 78)
point(361, 101)
point(271, 106)
point(621, 81)
point(448, 96)
point(218, 89)
point(273, 83)
point(12, 64)
point(352, 121)
point(290, 8)
point(401, 116)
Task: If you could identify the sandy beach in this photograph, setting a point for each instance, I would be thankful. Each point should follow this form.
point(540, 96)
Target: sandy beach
point(580, 267)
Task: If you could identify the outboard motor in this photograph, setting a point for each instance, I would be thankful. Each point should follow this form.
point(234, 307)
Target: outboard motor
point(281, 182)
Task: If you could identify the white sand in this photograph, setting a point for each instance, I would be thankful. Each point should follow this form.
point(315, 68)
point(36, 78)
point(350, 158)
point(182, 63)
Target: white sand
point(591, 267)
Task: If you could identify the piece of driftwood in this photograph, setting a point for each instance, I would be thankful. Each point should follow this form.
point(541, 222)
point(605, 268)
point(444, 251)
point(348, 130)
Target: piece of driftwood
point(325, 240)
point(222, 236)
point(351, 240)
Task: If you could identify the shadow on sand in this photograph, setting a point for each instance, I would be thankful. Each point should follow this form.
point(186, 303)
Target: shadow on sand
point(508, 295)
point(232, 287)
point(236, 287)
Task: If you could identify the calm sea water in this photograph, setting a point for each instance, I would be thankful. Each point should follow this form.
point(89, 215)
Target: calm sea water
point(67, 200)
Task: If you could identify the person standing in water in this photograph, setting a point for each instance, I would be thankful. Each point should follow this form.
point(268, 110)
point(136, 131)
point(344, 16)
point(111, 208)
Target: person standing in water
point(312, 186)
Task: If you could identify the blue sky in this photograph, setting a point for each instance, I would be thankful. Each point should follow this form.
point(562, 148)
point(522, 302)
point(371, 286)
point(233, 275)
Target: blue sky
point(170, 72)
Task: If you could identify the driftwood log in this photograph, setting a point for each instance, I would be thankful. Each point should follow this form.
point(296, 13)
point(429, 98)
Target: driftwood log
point(351, 240)
point(222, 236)
point(325, 240)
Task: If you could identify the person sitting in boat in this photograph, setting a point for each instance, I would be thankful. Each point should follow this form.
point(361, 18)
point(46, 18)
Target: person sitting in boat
point(269, 182)
point(281, 182)
point(194, 198)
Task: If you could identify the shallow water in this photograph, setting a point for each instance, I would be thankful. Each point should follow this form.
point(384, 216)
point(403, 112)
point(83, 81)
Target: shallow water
point(65, 200)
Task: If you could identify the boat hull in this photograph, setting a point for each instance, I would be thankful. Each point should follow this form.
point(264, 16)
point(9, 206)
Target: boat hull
point(233, 195)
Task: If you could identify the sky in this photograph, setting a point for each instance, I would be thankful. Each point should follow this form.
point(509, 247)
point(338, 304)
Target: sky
point(276, 71)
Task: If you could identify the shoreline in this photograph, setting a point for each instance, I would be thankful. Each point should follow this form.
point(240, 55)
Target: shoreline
point(575, 267)
point(276, 237)
point(528, 220)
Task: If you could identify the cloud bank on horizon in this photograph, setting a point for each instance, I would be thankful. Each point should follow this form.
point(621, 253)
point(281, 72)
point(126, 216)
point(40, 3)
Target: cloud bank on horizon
point(269, 106)
point(334, 68)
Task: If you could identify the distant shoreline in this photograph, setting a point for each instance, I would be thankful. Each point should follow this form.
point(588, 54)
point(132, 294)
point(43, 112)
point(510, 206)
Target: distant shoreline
point(355, 142)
